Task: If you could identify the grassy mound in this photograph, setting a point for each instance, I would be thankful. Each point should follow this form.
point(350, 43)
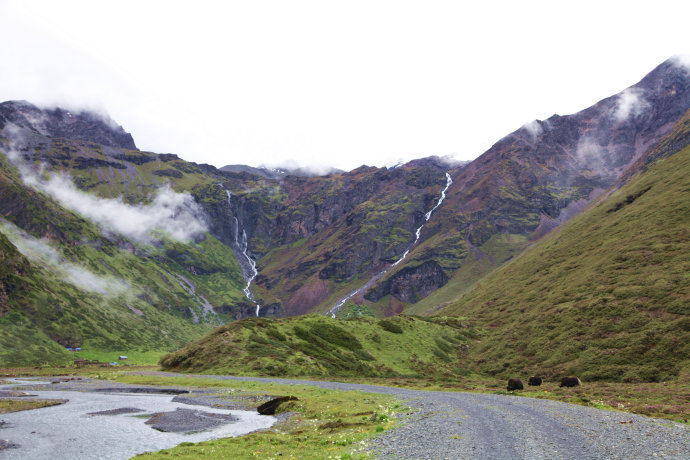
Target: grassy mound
point(321, 346)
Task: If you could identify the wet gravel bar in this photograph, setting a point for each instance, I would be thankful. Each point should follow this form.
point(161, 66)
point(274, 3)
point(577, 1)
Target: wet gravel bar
point(109, 420)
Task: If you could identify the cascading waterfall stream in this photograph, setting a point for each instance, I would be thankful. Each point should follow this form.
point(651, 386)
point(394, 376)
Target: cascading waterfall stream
point(254, 272)
point(241, 246)
point(381, 274)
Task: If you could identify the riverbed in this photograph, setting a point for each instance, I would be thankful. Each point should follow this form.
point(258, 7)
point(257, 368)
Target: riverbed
point(73, 430)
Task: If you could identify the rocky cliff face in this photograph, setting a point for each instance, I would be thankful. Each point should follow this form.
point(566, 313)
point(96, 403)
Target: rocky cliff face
point(57, 122)
point(410, 284)
point(337, 228)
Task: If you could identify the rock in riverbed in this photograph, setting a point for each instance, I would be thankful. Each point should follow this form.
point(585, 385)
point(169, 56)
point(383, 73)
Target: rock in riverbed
point(121, 410)
point(5, 444)
point(270, 407)
point(188, 420)
point(144, 390)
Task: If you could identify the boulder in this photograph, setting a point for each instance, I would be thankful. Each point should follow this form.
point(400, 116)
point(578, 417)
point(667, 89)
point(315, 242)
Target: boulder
point(270, 407)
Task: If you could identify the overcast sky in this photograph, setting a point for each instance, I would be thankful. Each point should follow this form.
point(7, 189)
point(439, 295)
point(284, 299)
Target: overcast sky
point(330, 83)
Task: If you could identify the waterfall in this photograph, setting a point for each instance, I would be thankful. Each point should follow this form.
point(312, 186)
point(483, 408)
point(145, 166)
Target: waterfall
point(248, 265)
point(427, 216)
point(237, 230)
point(381, 274)
point(252, 275)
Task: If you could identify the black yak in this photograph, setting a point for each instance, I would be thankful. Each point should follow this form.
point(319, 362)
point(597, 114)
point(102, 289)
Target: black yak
point(534, 381)
point(570, 382)
point(514, 384)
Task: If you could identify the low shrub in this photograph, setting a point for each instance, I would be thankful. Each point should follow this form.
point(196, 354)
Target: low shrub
point(390, 326)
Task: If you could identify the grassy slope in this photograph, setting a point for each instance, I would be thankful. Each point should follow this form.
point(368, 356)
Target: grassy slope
point(321, 346)
point(477, 264)
point(605, 297)
point(50, 313)
point(138, 183)
point(53, 312)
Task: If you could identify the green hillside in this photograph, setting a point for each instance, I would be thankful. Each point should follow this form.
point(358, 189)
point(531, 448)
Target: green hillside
point(321, 346)
point(605, 297)
point(64, 282)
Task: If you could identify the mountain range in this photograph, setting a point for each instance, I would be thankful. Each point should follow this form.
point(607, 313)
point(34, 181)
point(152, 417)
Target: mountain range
point(115, 248)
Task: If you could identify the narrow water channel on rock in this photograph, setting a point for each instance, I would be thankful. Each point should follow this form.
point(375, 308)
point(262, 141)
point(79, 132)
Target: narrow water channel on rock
point(247, 264)
point(70, 431)
point(365, 287)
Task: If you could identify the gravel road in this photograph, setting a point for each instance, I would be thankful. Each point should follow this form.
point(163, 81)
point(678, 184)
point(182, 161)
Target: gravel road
point(450, 425)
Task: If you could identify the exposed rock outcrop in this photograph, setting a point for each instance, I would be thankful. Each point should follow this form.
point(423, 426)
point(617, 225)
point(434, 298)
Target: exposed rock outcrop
point(410, 284)
point(57, 122)
point(270, 407)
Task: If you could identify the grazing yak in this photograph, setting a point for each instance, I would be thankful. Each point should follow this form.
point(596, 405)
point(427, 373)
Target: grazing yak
point(515, 384)
point(534, 381)
point(570, 382)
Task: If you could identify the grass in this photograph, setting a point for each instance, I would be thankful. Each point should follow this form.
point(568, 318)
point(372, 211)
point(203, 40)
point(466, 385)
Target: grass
point(15, 405)
point(134, 357)
point(606, 297)
point(321, 346)
point(474, 267)
point(668, 400)
point(92, 371)
point(323, 422)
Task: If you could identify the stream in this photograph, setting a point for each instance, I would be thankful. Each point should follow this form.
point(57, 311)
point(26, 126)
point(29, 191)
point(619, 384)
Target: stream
point(72, 431)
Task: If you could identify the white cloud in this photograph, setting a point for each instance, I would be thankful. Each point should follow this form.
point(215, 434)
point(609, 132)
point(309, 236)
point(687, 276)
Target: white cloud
point(41, 252)
point(534, 128)
point(176, 214)
point(589, 153)
point(682, 60)
point(630, 103)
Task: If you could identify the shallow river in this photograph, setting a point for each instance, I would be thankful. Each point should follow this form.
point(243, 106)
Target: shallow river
point(68, 432)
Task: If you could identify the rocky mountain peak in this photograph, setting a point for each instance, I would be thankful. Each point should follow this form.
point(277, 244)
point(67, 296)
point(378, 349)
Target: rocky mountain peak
point(59, 122)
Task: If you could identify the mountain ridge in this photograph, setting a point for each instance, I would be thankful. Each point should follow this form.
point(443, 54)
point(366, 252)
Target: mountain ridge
point(58, 122)
point(314, 239)
point(604, 297)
